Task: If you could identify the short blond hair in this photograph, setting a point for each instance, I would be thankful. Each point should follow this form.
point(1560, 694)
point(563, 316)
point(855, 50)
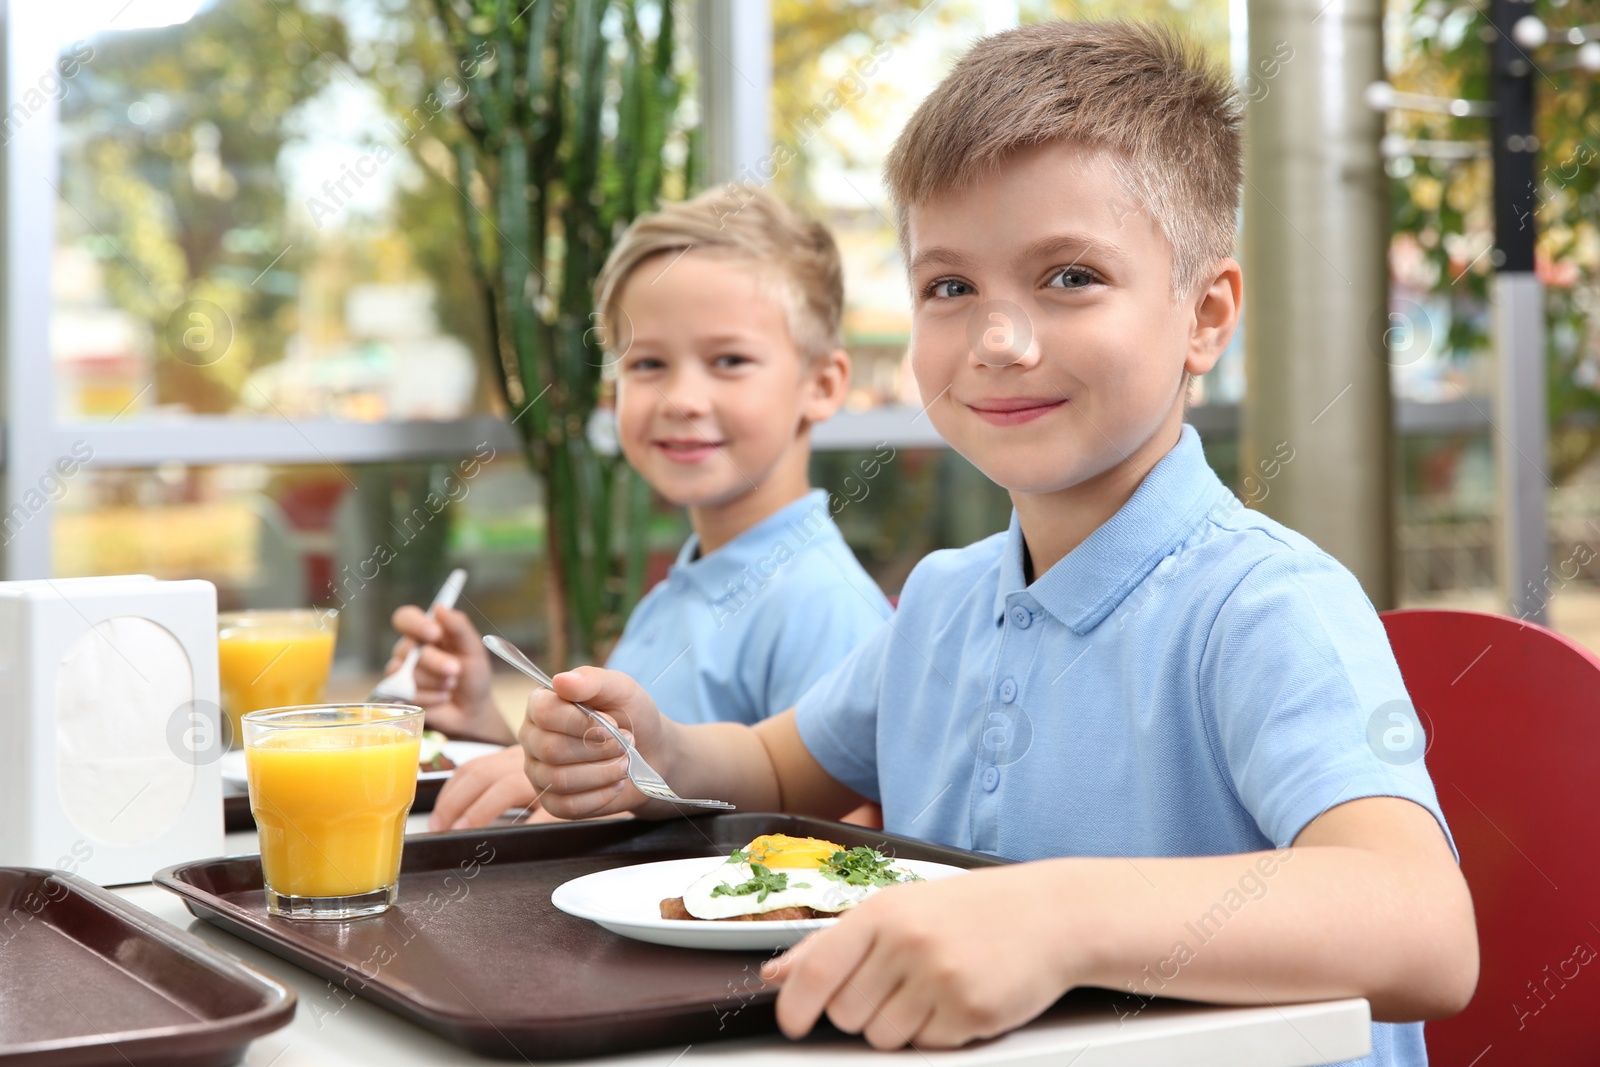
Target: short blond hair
point(1169, 119)
point(745, 222)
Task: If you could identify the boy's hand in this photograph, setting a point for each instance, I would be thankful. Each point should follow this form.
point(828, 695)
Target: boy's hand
point(452, 673)
point(482, 790)
point(932, 965)
point(578, 768)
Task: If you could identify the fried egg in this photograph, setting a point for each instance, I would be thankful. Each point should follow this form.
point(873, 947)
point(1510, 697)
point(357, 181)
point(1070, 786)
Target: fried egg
point(778, 871)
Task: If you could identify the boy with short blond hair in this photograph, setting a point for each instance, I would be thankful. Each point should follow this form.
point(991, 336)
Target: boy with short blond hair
point(1165, 703)
point(724, 337)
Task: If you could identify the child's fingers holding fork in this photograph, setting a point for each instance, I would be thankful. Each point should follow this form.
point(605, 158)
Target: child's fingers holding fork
point(578, 767)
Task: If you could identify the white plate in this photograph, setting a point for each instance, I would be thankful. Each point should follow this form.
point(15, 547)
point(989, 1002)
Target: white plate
point(627, 901)
point(460, 752)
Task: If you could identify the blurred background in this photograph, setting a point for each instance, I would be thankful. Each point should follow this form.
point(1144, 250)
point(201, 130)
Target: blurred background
point(273, 174)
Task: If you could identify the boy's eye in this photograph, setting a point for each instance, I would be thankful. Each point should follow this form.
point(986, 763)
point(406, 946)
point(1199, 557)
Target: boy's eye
point(947, 288)
point(1071, 278)
point(730, 361)
point(641, 364)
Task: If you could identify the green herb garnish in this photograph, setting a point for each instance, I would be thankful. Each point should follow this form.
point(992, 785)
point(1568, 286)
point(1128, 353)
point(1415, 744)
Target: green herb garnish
point(762, 882)
point(864, 866)
point(738, 855)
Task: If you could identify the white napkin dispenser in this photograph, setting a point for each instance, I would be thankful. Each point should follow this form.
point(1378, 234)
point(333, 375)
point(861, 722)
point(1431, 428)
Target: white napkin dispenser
point(109, 725)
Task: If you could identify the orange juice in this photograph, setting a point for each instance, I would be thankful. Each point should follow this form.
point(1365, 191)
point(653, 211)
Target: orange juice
point(330, 805)
point(272, 660)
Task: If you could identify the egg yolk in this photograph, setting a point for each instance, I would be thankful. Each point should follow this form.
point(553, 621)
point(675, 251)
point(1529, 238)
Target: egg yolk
point(781, 850)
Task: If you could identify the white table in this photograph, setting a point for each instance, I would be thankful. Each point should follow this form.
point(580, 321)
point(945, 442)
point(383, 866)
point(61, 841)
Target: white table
point(328, 1031)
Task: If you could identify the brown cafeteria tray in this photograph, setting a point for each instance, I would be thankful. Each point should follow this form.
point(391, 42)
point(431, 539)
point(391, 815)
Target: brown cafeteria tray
point(475, 951)
point(88, 979)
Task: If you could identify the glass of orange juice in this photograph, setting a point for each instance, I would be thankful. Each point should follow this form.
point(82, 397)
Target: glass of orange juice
point(330, 787)
point(273, 659)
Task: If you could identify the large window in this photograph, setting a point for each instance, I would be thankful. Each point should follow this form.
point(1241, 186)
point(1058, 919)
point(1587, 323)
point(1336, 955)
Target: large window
point(241, 332)
point(255, 217)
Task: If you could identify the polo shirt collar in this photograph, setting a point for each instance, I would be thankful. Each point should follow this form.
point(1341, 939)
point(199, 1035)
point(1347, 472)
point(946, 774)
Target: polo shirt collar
point(793, 525)
point(1089, 582)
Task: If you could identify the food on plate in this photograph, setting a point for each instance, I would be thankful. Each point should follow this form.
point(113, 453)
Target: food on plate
point(432, 757)
point(778, 877)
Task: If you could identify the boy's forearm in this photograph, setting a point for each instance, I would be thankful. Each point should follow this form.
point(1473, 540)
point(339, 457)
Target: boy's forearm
point(766, 767)
point(1306, 923)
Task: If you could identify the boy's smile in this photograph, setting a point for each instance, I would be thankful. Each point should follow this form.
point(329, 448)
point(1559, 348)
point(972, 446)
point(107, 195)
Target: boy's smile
point(687, 449)
point(1015, 410)
point(1046, 339)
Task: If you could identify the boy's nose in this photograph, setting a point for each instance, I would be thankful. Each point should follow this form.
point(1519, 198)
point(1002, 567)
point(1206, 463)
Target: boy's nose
point(1000, 334)
point(684, 398)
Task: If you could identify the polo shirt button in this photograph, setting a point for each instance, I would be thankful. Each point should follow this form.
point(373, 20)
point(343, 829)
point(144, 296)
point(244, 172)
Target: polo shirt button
point(1021, 617)
point(991, 778)
point(1008, 690)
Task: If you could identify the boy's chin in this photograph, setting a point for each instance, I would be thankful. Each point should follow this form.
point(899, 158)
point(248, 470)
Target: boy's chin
point(703, 497)
point(1035, 478)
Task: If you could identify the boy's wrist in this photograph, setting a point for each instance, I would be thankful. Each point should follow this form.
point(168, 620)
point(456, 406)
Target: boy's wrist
point(486, 720)
point(673, 758)
point(1078, 938)
point(667, 759)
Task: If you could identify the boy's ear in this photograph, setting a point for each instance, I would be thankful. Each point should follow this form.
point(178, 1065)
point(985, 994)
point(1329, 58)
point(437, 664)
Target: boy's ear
point(826, 383)
point(1216, 316)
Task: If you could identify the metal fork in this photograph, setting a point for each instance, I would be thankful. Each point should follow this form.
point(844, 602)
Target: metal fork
point(641, 774)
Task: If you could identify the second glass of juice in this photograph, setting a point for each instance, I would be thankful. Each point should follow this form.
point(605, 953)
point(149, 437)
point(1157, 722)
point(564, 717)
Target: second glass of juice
point(273, 659)
point(330, 788)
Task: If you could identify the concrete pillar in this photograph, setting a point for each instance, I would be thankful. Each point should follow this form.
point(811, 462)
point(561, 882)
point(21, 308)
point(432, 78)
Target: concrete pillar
point(1317, 321)
point(1521, 421)
point(733, 47)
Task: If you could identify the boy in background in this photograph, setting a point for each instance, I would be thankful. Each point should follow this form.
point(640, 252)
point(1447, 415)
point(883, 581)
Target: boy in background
point(1160, 700)
point(724, 331)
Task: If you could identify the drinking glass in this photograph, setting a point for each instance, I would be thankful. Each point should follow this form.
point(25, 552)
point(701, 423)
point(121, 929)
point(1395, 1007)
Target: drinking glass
point(330, 788)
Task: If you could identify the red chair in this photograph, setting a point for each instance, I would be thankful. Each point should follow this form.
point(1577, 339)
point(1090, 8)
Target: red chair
point(1512, 715)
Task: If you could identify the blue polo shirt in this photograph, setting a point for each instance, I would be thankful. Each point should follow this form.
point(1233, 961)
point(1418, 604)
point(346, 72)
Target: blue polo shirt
point(739, 634)
point(1194, 679)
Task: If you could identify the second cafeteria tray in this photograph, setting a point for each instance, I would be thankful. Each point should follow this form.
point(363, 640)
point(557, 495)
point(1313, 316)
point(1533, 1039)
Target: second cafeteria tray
point(88, 979)
point(475, 951)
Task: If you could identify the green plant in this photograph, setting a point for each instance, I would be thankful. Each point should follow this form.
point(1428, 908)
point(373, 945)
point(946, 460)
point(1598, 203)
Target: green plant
point(571, 128)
